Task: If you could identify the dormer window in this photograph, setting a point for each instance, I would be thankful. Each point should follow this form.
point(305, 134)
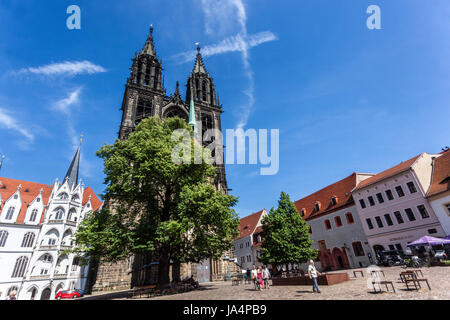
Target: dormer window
point(317, 206)
point(333, 200)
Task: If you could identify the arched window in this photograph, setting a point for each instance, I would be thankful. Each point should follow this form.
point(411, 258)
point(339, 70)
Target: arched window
point(75, 263)
point(47, 258)
point(33, 215)
point(75, 197)
point(10, 213)
point(19, 267)
point(3, 237)
point(28, 240)
point(72, 214)
point(63, 196)
point(59, 213)
point(13, 288)
point(204, 84)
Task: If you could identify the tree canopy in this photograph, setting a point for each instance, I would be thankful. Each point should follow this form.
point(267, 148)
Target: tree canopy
point(155, 205)
point(285, 237)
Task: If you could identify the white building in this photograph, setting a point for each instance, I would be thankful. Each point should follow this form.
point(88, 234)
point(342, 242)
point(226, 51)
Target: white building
point(243, 245)
point(438, 194)
point(335, 227)
point(393, 207)
point(37, 222)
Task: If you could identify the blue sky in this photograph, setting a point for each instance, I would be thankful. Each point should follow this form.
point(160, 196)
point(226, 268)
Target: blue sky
point(344, 97)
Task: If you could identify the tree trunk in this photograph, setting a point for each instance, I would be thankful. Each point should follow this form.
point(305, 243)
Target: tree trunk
point(176, 271)
point(163, 271)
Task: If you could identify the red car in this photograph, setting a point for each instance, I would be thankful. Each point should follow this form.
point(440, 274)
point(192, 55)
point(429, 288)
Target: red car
point(67, 294)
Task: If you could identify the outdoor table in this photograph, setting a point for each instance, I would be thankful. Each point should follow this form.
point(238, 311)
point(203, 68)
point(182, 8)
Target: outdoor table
point(383, 282)
point(360, 271)
point(409, 274)
point(417, 282)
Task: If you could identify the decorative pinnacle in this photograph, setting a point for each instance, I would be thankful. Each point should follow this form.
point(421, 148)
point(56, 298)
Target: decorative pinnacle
point(198, 46)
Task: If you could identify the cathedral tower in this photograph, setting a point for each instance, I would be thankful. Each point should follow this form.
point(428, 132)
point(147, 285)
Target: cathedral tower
point(145, 96)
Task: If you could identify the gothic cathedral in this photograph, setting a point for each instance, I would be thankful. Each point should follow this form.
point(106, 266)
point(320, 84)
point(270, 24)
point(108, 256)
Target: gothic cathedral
point(145, 96)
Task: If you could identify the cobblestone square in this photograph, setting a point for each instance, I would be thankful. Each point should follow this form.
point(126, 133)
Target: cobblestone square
point(354, 289)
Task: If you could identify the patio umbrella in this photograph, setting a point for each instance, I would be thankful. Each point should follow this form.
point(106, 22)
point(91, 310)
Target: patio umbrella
point(429, 241)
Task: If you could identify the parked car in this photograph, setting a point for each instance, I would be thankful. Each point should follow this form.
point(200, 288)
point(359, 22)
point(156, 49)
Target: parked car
point(441, 255)
point(392, 258)
point(80, 291)
point(67, 294)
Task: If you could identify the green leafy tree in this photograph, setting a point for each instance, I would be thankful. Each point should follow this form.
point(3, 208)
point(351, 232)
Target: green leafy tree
point(285, 236)
point(154, 205)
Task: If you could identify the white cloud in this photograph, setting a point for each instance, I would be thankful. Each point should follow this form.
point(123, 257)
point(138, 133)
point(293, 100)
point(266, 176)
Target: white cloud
point(235, 43)
point(64, 105)
point(8, 122)
point(67, 68)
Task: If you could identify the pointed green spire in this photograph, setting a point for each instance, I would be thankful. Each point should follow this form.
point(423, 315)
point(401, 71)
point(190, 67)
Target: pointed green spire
point(192, 121)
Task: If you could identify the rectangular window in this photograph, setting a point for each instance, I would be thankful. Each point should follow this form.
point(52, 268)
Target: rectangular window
point(388, 219)
point(363, 204)
point(431, 231)
point(369, 223)
point(399, 217)
point(398, 246)
point(379, 222)
point(410, 214)
point(399, 191)
point(423, 211)
point(391, 247)
point(411, 187)
point(389, 194)
point(338, 221)
point(358, 249)
point(327, 224)
point(371, 201)
point(349, 218)
point(380, 198)
point(448, 208)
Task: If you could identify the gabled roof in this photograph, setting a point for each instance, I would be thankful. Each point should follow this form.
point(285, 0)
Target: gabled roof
point(248, 224)
point(28, 192)
point(388, 173)
point(95, 201)
point(440, 180)
point(341, 190)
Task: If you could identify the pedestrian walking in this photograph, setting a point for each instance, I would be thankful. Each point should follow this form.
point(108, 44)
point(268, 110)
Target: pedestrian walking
point(312, 272)
point(266, 277)
point(248, 275)
point(255, 277)
point(260, 278)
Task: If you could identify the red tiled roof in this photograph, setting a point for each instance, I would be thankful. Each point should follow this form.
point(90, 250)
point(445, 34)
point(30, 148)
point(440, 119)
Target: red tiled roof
point(440, 181)
point(9, 187)
point(95, 201)
point(30, 190)
point(248, 224)
point(341, 190)
point(387, 173)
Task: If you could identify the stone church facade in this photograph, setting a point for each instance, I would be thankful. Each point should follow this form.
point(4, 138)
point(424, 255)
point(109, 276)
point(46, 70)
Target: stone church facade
point(145, 96)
